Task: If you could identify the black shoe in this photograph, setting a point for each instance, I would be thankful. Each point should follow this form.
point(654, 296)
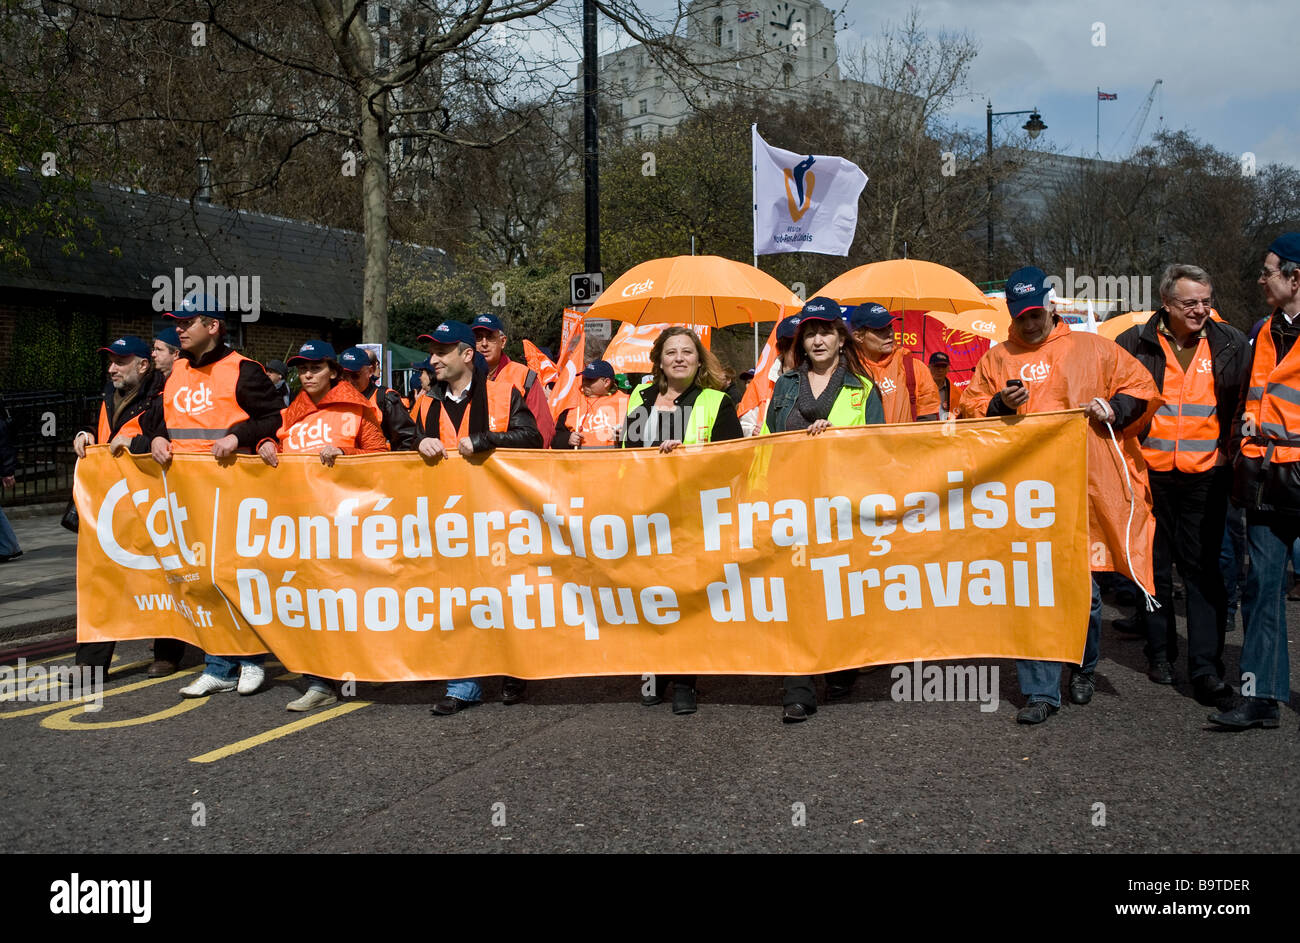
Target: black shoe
point(1130, 626)
point(1035, 712)
point(656, 695)
point(10, 556)
point(838, 689)
point(450, 705)
point(1082, 687)
point(1212, 691)
point(512, 691)
point(1248, 712)
point(797, 713)
point(1161, 672)
point(683, 699)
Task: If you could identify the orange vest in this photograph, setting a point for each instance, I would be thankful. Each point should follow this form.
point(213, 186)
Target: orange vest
point(373, 399)
point(498, 397)
point(1272, 402)
point(599, 420)
point(199, 403)
point(336, 424)
point(514, 373)
point(129, 428)
point(1184, 433)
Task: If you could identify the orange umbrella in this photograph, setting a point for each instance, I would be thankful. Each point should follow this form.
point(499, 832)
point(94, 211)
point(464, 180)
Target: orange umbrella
point(1114, 327)
point(900, 284)
point(985, 322)
point(695, 289)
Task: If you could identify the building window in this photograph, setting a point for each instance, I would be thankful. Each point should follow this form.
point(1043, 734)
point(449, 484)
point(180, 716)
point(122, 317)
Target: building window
point(642, 106)
point(618, 109)
point(384, 47)
point(383, 16)
point(659, 81)
point(857, 98)
point(717, 31)
point(636, 132)
point(824, 54)
point(787, 74)
point(730, 34)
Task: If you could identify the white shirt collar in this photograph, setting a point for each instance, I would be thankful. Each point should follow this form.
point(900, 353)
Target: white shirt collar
point(463, 393)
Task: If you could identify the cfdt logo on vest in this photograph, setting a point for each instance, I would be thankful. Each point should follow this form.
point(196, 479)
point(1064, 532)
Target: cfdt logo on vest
point(193, 400)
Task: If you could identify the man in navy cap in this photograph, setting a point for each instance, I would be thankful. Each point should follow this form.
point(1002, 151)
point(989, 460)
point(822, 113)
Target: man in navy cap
point(490, 341)
point(394, 418)
point(596, 421)
point(469, 414)
point(132, 385)
point(1266, 484)
point(215, 402)
point(949, 393)
point(166, 348)
point(907, 390)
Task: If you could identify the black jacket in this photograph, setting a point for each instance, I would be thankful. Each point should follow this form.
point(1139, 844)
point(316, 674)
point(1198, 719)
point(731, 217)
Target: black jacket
point(725, 426)
point(253, 392)
point(148, 391)
point(521, 430)
point(399, 428)
point(1231, 353)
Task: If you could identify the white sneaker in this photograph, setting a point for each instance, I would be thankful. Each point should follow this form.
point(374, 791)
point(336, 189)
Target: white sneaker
point(206, 684)
point(313, 699)
point(250, 678)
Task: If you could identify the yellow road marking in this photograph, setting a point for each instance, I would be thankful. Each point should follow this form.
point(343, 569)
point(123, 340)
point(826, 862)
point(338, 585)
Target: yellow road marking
point(278, 732)
point(64, 719)
point(44, 685)
point(47, 708)
point(46, 661)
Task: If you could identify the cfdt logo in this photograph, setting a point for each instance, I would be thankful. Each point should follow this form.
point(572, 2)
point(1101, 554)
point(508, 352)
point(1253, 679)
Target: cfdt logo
point(164, 520)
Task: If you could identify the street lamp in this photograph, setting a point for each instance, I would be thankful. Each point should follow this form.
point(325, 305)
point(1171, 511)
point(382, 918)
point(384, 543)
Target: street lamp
point(1034, 126)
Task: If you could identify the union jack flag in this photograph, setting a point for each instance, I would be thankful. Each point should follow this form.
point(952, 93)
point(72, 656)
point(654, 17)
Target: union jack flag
point(745, 16)
point(1107, 96)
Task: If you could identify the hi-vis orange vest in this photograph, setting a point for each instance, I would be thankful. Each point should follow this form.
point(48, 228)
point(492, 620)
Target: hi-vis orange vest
point(498, 398)
point(335, 424)
point(600, 419)
point(129, 428)
point(1184, 433)
point(1272, 402)
point(516, 374)
point(199, 403)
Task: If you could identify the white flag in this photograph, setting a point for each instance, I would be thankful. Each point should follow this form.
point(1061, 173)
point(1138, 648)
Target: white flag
point(804, 203)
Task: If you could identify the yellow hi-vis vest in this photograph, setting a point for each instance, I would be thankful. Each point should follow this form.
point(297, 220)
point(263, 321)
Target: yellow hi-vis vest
point(704, 411)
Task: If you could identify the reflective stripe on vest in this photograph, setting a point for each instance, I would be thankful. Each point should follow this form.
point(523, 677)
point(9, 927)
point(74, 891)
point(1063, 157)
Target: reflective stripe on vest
point(337, 424)
point(849, 408)
point(704, 412)
point(199, 404)
point(1184, 433)
point(599, 420)
point(1272, 401)
point(498, 397)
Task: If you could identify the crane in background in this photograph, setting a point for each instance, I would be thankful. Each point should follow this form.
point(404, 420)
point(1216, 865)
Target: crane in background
point(1140, 119)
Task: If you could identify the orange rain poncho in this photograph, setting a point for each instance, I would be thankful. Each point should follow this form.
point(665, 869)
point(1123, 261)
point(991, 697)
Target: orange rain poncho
point(1066, 371)
point(890, 375)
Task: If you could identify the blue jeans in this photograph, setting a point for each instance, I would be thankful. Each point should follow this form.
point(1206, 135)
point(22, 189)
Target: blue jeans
point(1041, 680)
point(1263, 650)
point(8, 539)
point(227, 669)
point(465, 689)
point(1232, 560)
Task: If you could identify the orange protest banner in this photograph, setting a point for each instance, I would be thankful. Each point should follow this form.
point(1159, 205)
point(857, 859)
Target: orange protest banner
point(783, 554)
point(629, 349)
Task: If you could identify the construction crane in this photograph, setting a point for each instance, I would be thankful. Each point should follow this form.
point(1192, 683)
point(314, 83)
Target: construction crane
point(1140, 119)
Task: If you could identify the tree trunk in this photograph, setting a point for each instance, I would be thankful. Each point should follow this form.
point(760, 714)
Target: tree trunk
point(374, 196)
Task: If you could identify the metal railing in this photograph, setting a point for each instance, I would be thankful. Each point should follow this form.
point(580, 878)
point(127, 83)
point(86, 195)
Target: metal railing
point(41, 427)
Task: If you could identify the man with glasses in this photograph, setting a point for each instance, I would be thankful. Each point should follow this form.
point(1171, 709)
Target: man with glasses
point(215, 402)
point(1199, 364)
point(1266, 484)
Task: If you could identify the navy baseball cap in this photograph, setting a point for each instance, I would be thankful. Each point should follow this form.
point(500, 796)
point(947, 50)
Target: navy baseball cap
point(1286, 247)
point(788, 327)
point(197, 304)
point(487, 322)
point(128, 346)
point(598, 369)
point(354, 358)
point(821, 309)
point(313, 352)
point(277, 366)
point(168, 336)
point(871, 316)
point(939, 359)
point(1027, 288)
point(450, 332)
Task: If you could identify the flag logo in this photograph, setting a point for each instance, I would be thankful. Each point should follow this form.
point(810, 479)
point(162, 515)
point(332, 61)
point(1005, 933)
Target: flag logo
point(803, 179)
point(745, 16)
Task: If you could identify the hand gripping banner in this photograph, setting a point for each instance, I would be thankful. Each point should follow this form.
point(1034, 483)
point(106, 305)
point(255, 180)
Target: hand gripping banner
point(785, 554)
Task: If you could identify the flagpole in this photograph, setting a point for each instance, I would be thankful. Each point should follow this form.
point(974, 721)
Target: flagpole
point(753, 202)
point(1098, 104)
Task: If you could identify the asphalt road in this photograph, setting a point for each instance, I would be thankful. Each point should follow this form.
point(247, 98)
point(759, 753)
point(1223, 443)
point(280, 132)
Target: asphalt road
point(582, 766)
